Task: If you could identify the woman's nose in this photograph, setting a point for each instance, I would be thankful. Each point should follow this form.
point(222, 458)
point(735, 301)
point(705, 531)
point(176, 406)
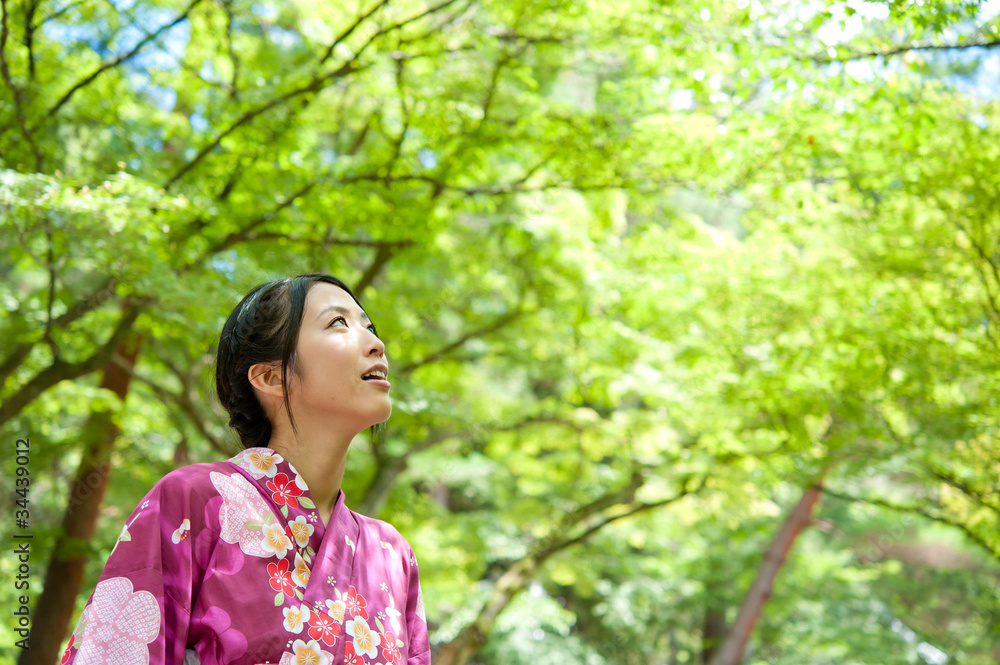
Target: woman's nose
point(377, 348)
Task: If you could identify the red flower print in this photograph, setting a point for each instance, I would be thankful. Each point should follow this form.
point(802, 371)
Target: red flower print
point(389, 649)
point(281, 579)
point(356, 603)
point(351, 658)
point(284, 490)
point(69, 646)
point(323, 627)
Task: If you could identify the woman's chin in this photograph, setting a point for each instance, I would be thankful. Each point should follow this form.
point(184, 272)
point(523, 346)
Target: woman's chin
point(382, 415)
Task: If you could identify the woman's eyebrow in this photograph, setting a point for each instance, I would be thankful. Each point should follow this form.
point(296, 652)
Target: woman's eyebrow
point(342, 310)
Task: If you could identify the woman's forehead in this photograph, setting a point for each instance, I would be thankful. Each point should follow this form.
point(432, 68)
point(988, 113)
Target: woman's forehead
point(323, 298)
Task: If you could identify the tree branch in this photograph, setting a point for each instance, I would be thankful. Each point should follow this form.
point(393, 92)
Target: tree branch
point(382, 256)
point(182, 399)
point(350, 29)
point(472, 334)
point(518, 573)
point(402, 24)
point(82, 83)
point(233, 91)
point(905, 48)
point(966, 489)
point(29, 35)
point(984, 257)
point(16, 90)
point(59, 12)
point(61, 370)
point(397, 143)
point(515, 187)
point(92, 301)
point(327, 242)
point(916, 510)
point(317, 83)
point(630, 510)
point(943, 476)
point(388, 468)
point(246, 232)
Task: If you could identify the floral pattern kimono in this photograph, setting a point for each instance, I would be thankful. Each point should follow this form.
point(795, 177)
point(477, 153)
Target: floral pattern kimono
point(229, 562)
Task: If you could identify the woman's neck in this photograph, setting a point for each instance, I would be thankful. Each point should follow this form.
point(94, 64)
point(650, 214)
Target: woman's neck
point(320, 460)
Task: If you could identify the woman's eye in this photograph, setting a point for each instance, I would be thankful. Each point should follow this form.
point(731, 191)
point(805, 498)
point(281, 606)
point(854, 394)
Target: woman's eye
point(339, 318)
point(374, 332)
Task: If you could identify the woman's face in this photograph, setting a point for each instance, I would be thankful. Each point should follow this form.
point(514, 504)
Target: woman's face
point(339, 368)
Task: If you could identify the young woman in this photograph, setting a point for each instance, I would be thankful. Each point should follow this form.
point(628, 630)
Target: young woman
point(258, 559)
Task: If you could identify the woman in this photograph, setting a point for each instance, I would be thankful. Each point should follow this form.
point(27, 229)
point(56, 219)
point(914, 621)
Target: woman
point(257, 559)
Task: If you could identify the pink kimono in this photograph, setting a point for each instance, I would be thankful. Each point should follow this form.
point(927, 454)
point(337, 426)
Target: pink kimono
point(229, 562)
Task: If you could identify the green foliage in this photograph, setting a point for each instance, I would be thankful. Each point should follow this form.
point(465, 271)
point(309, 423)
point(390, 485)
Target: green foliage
point(644, 269)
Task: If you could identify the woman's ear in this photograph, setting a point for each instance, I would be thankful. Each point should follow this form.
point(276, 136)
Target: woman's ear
point(266, 378)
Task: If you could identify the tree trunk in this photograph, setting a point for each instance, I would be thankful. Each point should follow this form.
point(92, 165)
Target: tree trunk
point(731, 652)
point(713, 631)
point(64, 575)
point(378, 490)
point(674, 648)
point(471, 639)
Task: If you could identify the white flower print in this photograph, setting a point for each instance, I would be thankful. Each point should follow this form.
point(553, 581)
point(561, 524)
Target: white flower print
point(300, 575)
point(119, 624)
point(383, 586)
point(309, 653)
point(181, 532)
point(274, 540)
point(394, 615)
point(243, 507)
point(336, 609)
point(365, 640)
point(420, 604)
point(259, 462)
point(301, 531)
point(295, 618)
point(299, 480)
point(331, 581)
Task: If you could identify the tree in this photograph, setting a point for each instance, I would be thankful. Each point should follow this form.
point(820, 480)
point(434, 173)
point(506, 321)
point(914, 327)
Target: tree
point(631, 261)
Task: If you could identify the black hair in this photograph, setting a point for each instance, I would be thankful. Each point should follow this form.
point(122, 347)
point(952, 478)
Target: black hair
point(263, 328)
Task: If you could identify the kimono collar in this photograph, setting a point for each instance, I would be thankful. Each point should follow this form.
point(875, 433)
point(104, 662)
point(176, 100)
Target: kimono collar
point(278, 481)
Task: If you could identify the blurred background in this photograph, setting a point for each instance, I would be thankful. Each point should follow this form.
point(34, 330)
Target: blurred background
point(692, 307)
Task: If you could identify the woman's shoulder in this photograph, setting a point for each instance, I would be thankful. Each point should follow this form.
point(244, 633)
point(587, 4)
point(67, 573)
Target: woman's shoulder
point(385, 532)
point(193, 479)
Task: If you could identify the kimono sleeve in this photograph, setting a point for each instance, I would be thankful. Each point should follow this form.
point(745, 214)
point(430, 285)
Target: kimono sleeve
point(419, 652)
point(140, 609)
